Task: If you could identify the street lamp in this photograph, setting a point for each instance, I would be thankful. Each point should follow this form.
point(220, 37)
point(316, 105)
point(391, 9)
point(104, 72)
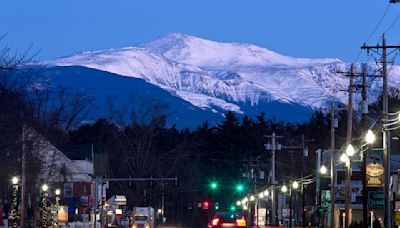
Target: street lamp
point(295, 185)
point(45, 187)
point(261, 195)
point(370, 137)
point(266, 192)
point(346, 159)
point(350, 150)
point(252, 198)
point(284, 189)
point(14, 201)
point(323, 170)
point(58, 192)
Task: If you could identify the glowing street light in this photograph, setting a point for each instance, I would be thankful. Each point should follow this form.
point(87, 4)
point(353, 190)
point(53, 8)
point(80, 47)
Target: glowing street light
point(261, 195)
point(266, 192)
point(295, 185)
point(284, 189)
point(45, 187)
point(238, 203)
point(15, 180)
point(350, 150)
point(323, 170)
point(252, 198)
point(370, 137)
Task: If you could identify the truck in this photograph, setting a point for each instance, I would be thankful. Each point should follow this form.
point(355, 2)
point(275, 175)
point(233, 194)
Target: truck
point(143, 217)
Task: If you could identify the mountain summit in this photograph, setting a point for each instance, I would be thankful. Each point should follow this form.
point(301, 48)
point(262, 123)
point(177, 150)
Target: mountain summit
point(220, 77)
point(205, 53)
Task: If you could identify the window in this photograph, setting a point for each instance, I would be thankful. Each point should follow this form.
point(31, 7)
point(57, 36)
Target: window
point(68, 190)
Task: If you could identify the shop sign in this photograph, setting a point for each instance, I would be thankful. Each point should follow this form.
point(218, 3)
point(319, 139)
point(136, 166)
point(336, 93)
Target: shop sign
point(397, 218)
point(375, 176)
point(376, 199)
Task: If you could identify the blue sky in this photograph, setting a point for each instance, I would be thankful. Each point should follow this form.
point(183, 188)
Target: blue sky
point(302, 28)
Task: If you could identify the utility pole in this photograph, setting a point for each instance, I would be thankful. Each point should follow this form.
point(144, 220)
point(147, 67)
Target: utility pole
point(333, 167)
point(318, 188)
point(386, 134)
point(303, 196)
point(23, 176)
point(364, 110)
point(273, 147)
point(348, 142)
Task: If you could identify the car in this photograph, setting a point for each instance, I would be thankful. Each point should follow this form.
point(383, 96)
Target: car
point(228, 219)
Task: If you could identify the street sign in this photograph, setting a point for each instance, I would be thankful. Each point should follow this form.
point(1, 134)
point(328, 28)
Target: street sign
point(397, 218)
point(375, 177)
point(376, 199)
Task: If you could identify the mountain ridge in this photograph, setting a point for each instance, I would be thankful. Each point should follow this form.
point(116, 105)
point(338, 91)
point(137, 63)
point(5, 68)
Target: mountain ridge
point(229, 76)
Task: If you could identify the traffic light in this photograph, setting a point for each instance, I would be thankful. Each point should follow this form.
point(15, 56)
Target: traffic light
point(239, 188)
point(216, 206)
point(205, 205)
point(213, 185)
point(233, 208)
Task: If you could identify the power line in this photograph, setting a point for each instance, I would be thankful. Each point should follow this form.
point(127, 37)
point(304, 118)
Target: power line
point(394, 22)
point(379, 23)
point(374, 30)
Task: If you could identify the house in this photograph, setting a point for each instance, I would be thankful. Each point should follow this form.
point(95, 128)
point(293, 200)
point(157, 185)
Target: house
point(69, 168)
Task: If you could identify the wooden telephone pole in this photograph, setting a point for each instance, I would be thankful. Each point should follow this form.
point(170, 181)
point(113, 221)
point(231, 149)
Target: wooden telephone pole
point(348, 142)
point(386, 134)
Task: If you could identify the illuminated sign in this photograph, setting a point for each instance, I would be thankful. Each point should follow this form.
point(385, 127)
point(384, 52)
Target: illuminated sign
point(375, 176)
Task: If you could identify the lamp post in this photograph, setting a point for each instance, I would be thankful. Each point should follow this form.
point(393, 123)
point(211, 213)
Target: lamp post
point(284, 189)
point(58, 192)
point(45, 187)
point(346, 159)
point(321, 171)
point(14, 181)
point(369, 139)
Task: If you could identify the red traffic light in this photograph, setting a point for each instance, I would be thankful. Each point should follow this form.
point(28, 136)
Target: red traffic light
point(205, 205)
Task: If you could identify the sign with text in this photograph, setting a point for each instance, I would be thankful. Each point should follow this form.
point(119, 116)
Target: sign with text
point(375, 177)
point(375, 199)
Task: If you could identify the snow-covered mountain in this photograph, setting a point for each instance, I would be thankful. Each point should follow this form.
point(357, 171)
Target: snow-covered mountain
point(219, 76)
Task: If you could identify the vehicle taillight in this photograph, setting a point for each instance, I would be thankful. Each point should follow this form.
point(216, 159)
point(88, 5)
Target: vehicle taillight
point(215, 222)
point(240, 222)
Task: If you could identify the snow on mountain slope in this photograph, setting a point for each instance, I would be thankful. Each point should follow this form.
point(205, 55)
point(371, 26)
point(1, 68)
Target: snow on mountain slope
point(179, 78)
point(205, 53)
point(226, 76)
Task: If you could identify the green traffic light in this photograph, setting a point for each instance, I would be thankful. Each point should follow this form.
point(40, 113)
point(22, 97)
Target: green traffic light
point(233, 208)
point(213, 185)
point(239, 187)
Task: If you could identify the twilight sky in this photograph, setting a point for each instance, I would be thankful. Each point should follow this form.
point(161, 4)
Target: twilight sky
point(300, 28)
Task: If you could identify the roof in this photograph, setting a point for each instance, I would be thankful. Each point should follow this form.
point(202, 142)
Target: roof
point(76, 151)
